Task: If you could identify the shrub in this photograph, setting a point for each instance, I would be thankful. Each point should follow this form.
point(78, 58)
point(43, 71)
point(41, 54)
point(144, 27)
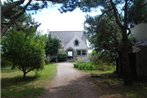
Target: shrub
point(85, 66)
point(92, 66)
point(62, 56)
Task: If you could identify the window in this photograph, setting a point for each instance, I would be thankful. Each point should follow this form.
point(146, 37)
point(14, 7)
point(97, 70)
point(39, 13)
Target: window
point(78, 52)
point(76, 43)
point(83, 52)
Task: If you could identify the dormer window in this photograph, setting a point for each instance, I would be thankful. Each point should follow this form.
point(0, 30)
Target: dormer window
point(76, 43)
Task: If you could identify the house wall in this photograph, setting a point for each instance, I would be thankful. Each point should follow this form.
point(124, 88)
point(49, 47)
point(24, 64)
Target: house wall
point(82, 44)
point(71, 45)
point(142, 63)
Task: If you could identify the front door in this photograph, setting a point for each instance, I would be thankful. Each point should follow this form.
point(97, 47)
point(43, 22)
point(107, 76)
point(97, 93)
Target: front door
point(70, 54)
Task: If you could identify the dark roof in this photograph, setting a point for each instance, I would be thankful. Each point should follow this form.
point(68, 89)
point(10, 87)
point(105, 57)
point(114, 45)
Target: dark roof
point(66, 36)
point(141, 43)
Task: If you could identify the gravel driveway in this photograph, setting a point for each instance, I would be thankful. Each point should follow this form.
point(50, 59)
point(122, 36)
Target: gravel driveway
point(70, 83)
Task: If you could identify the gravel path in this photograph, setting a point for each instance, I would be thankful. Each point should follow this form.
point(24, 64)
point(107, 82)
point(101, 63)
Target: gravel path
point(70, 83)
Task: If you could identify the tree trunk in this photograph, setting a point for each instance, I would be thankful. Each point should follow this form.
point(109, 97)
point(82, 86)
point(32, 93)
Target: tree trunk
point(24, 75)
point(127, 72)
point(126, 66)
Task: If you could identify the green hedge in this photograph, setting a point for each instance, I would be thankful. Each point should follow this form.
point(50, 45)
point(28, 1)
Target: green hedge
point(85, 66)
point(91, 66)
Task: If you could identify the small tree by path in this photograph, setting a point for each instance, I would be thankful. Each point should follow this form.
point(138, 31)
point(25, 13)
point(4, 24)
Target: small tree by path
point(25, 51)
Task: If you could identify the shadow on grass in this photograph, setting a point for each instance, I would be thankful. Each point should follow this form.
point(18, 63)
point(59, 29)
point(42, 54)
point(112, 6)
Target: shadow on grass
point(112, 86)
point(22, 92)
point(18, 80)
point(17, 87)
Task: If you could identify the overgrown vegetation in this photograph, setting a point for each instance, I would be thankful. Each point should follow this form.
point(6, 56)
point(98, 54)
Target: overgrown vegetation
point(53, 50)
point(14, 86)
point(52, 46)
point(62, 55)
point(89, 66)
point(123, 15)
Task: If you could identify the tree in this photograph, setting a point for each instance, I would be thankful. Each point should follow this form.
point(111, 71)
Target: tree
point(125, 15)
point(52, 46)
point(25, 51)
point(13, 10)
point(23, 47)
point(121, 9)
point(100, 33)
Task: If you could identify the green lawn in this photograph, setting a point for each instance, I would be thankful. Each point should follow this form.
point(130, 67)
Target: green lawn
point(13, 86)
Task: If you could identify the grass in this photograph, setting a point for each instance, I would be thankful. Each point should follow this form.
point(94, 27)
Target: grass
point(13, 86)
point(111, 86)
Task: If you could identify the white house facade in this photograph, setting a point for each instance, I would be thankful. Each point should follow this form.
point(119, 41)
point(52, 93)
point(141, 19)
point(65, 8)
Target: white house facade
point(73, 42)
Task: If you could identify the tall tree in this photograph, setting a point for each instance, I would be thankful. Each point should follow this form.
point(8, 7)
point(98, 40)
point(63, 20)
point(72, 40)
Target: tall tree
point(52, 46)
point(104, 36)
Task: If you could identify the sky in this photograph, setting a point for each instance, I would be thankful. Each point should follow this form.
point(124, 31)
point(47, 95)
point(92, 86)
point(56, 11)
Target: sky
point(52, 20)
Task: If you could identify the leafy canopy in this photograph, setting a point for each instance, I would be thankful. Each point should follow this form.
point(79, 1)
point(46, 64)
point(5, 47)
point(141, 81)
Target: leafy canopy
point(23, 47)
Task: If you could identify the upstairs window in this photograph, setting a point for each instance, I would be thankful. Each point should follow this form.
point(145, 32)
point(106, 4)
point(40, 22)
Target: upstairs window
point(76, 43)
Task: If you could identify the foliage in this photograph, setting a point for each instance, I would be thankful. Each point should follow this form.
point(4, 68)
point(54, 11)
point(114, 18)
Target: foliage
point(95, 58)
point(89, 66)
point(62, 56)
point(104, 36)
point(52, 46)
point(4, 61)
point(85, 66)
point(121, 10)
point(25, 50)
point(12, 10)
point(32, 87)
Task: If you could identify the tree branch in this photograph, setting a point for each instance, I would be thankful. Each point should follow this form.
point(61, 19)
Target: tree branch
point(126, 14)
point(106, 11)
point(10, 6)
point(116, 14)
point(29, 70)
point(14, 18)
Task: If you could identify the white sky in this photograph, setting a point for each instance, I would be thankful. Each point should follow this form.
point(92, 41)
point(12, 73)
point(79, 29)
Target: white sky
point(51, 19)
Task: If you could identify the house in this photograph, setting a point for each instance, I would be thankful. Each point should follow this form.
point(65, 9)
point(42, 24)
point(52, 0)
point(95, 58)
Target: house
point(139, 60)
point(73, 42)
point(138, 55)
point(139, 51)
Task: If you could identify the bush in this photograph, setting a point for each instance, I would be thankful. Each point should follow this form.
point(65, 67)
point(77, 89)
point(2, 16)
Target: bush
point(62, 56)
point(94, 59)
point(92, 66)
point(85, 66)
